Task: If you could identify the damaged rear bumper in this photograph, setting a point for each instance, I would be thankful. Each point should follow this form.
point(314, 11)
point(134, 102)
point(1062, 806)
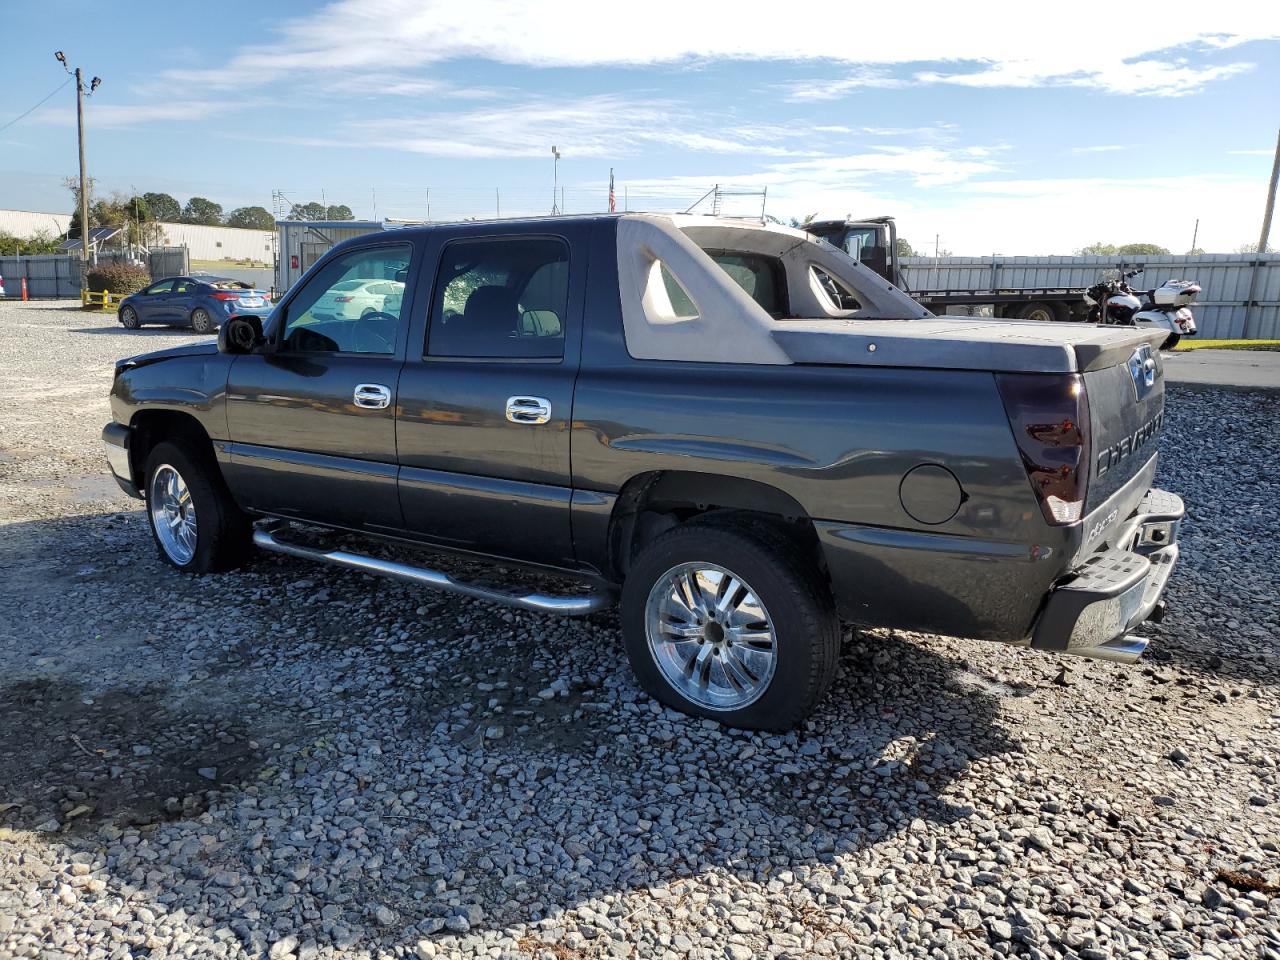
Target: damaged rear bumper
point(1091, 612)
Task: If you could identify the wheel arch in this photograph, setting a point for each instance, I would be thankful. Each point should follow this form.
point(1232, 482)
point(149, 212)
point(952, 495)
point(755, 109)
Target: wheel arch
point(651, 503)
point(152, 426)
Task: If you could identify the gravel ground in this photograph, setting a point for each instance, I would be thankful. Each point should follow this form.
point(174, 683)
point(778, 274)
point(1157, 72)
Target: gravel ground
point(297, 761)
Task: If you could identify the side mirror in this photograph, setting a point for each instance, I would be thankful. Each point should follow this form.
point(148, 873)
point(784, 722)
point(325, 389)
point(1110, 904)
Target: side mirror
point(240, 334)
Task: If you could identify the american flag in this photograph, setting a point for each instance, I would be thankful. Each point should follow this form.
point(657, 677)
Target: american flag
point(613, 204)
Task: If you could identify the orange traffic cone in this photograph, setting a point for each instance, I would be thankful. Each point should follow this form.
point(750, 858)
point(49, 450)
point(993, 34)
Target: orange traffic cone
point(24, 289)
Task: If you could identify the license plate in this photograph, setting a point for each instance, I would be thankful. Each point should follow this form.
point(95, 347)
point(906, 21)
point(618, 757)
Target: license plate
point(250, 301)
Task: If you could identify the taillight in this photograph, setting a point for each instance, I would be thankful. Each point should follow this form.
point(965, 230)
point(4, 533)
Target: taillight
point(1049, 414)
point(342, 299)
point(226, 296)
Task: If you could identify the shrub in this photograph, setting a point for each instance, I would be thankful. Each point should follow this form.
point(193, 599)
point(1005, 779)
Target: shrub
point(121, 278)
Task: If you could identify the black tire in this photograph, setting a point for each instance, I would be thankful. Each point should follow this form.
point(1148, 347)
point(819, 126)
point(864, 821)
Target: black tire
point(786, 581)
point(201, 322)
point(222, 530)
point(1171, 341)
point(129, 318)
point(1042, 311)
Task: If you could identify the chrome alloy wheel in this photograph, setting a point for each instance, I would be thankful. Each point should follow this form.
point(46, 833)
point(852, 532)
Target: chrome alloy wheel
point(710, 636)
point(173, 514)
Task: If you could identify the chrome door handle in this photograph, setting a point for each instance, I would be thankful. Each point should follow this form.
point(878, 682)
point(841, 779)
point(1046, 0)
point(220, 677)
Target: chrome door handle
point(528, 409)
point(372, 396)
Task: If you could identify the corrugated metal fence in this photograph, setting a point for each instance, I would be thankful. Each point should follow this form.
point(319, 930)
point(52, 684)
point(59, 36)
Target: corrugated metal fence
point(58, 275)
point(1240, 293)
point(53, 275)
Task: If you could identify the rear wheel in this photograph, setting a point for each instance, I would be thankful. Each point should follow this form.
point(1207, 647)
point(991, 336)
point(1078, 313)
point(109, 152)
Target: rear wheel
point(733, 623)
point(129, 318)
point(1044, 312)
point(1172, 341)
point(196, 525)
point(201, 322)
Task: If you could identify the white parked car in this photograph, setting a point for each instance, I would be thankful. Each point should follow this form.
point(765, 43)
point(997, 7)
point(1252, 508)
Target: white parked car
point(2, 293)
point(353, 299)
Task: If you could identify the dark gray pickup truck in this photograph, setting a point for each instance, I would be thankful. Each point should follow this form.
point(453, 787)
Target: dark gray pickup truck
point(736, 430)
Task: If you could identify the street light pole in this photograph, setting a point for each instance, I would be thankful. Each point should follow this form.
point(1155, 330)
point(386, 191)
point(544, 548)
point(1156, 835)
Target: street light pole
point(84, 178)
point(555, 180)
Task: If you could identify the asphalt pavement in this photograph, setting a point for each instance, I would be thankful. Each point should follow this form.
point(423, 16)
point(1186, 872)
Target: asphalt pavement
point(1241, 369)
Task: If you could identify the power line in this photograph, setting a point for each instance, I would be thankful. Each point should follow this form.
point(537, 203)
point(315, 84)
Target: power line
point(37, 106)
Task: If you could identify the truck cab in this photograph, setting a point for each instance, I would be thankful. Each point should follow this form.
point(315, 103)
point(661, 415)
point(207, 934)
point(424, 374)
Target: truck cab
point(872, 241)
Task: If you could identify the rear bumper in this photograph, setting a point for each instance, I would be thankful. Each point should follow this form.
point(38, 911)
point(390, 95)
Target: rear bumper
point(1091, 611)
point(115, 438)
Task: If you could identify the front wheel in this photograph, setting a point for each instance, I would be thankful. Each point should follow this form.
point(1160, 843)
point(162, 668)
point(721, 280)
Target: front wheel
point(129, 318)
point(201, 322)
point(731, 622)
point(196, 525)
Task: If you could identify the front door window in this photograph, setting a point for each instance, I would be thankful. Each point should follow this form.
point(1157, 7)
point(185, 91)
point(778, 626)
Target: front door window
point(352, 305)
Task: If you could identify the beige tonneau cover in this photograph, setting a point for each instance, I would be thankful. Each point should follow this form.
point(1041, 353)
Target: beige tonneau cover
point(887, 328)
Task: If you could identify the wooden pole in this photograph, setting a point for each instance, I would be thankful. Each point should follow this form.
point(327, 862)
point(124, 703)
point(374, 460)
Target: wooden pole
point(84, 184)
point(1271, 200)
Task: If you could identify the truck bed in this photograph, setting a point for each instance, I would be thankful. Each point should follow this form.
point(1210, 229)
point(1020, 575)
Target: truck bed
point(961, 343)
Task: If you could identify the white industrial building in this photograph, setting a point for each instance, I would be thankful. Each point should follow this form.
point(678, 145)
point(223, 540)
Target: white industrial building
point(28, 223)
point(202, 243)
point(219, 243)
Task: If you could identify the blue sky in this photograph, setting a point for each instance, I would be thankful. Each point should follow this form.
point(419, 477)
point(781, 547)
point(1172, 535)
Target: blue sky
point(1015, 127)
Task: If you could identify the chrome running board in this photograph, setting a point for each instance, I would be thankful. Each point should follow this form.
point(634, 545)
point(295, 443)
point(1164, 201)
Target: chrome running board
point(1126, 649)
point(264, 536)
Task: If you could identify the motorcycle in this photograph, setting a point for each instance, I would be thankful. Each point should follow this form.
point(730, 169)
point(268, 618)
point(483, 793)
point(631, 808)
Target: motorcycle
point(1167, 306)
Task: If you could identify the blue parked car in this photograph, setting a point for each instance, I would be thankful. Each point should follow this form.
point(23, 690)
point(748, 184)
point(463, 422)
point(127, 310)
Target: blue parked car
point(200, 302)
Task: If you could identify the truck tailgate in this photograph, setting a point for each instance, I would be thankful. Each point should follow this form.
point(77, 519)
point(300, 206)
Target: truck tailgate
point(1126, 414)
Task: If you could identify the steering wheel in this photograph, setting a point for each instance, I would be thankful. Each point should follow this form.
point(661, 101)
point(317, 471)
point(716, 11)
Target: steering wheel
point(370, 340)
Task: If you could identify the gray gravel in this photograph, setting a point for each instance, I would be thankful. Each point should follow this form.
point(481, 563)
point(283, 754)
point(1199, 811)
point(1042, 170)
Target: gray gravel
point(291, 761)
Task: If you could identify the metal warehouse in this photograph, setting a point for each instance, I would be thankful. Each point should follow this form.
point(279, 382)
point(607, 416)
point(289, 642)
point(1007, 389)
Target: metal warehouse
point(303, 242)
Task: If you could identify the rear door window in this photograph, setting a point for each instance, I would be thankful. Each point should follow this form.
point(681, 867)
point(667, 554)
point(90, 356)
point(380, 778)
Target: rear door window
point(500, 297)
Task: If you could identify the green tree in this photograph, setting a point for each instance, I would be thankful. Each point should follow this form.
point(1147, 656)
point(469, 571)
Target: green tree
point(905, 249)
point(339, 212)
point(163, 207)
point(1252, 247)
point(308, 211)
point(203, 211)
point(1195, 252)
point(42, 241)
point(255, 218)
point(1123, 250)
point(1098, 250)
point(73, 185)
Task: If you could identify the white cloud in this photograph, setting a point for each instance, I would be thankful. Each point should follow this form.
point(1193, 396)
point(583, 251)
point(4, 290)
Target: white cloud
point(1005, 43)
point(597, 126)
point(976, 215)
point(1100, 148)
point(117, 116)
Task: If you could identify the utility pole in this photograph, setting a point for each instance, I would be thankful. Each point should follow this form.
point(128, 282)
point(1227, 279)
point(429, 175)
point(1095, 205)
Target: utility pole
point(555, 179)
point(84, 179)
point(1271, 200)
point(1195, 235)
